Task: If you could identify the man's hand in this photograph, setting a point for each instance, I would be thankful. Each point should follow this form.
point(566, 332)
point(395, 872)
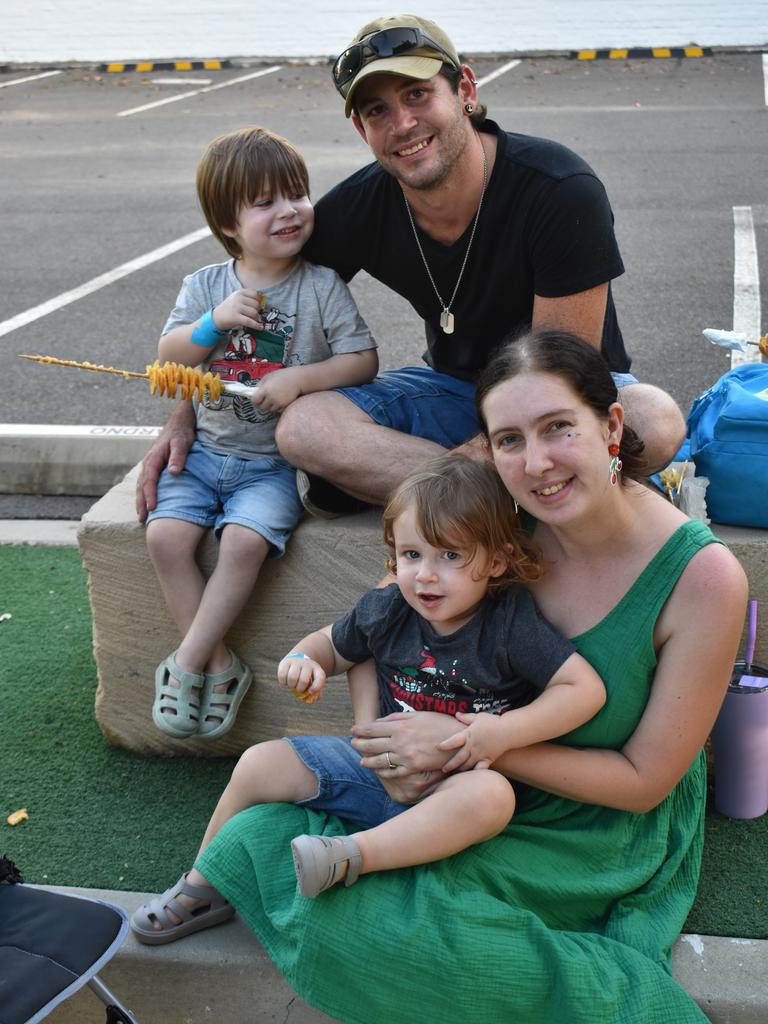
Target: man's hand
point(169, 449)
point(240, 309)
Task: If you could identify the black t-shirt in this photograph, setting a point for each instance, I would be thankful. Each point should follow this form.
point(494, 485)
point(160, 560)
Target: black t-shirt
point(546, 228)
point(501, 659)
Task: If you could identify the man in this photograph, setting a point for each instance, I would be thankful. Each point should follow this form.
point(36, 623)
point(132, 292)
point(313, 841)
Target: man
point(484, 232)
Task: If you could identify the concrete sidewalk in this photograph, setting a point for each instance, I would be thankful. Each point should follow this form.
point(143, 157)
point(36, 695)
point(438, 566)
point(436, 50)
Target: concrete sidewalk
point(224, 975)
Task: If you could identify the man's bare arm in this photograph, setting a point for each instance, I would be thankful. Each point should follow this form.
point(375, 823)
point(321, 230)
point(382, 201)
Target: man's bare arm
point(582, 313)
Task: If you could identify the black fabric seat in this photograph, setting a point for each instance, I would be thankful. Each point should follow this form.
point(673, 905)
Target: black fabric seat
point(51, 944)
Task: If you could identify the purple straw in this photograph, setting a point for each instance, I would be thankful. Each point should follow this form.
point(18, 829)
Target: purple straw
point(751, 633)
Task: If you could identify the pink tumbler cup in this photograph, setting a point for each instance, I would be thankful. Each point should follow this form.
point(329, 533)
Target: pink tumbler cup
point(740, 745)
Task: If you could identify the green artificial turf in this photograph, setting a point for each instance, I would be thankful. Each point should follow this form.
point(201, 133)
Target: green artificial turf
point(100, 817)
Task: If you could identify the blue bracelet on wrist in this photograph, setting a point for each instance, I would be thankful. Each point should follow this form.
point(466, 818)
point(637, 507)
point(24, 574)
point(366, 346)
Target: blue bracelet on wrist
point(206, 333)
point(297, 655)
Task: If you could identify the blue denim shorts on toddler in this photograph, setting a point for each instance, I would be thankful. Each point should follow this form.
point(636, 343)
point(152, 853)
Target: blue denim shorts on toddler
point(344, 787)
point(214, 490)
point(419, 401)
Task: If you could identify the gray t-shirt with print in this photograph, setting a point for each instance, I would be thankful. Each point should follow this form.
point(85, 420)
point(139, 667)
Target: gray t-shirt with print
point(501, 659)
point(307, 317)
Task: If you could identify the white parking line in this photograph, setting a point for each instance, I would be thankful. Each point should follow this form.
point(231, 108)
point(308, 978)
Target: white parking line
point(499, 71)
point(765, 77)
point(181, 81)
point(746, 282)
point(197, 92)
point(29, 78)
point(36, 312)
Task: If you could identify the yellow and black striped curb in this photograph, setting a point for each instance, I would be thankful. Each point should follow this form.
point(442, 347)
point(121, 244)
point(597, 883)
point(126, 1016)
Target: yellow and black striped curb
point(642, 51)
point(168, 65)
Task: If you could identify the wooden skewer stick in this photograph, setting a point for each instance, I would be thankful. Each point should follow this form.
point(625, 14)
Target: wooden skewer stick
point(85, 366)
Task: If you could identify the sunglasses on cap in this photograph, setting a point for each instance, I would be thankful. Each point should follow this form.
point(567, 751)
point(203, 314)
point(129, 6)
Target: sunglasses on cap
point(390, 42)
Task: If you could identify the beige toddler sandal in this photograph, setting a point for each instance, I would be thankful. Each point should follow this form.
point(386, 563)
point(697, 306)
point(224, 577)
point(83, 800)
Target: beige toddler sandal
point(318, 861)
point(176, 710)
point(222, 695)
point(213, 910)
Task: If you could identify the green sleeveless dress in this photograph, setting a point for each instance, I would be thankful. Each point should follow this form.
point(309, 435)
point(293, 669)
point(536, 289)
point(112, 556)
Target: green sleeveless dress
point(570, 914)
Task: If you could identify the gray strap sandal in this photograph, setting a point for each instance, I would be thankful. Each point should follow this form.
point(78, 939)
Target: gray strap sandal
point(176, 709)
point(318, 861)
point(213, 910)
point(219, 707)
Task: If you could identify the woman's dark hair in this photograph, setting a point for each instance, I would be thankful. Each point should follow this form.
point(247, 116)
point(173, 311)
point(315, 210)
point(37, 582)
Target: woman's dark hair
point(578, 363)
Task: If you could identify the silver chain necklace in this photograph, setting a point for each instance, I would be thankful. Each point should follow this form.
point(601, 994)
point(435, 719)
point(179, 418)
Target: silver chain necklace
point(447, 319)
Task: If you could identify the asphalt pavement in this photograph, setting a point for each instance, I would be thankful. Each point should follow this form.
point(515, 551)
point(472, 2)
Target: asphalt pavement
point(98, 171)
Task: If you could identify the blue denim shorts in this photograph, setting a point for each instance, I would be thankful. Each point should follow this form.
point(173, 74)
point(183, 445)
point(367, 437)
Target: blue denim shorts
point(214, 490)
point(344, 787)
point(418, 400)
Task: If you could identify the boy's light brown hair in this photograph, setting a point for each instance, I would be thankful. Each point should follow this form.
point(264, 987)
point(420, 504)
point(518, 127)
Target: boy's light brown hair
point(462, 505)
point(240, 167)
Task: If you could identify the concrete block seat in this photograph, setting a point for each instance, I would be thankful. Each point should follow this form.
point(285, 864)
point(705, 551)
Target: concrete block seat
point(327, 566)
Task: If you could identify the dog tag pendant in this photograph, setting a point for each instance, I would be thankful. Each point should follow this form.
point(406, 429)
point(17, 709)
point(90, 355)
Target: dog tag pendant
point(446, 321)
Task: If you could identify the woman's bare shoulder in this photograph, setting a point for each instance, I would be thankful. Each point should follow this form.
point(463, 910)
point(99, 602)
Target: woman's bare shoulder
point(712, 590)
point(714, 572)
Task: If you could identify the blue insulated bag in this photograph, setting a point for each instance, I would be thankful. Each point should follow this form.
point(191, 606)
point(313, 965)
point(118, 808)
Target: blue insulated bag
point(728, 431)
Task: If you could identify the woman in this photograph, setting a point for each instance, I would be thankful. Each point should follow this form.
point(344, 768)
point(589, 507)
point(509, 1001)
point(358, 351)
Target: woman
point(571, 913)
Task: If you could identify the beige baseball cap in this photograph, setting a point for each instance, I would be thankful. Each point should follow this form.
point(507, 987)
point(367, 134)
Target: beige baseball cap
point(420, 62)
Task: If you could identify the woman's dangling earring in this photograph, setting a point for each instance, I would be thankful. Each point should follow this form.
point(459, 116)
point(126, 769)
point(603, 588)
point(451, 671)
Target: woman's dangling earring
point(615, 466)
point(468, 107)
point(517, 507)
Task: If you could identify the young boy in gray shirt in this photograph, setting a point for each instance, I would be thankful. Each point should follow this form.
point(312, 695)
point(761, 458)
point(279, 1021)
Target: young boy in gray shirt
point(273, 327)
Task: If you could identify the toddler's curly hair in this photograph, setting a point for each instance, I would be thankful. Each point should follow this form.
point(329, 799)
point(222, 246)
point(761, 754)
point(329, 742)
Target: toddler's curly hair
point(462, 505)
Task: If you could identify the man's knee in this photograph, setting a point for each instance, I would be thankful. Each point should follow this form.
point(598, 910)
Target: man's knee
point(315, 424)
point(657, 419)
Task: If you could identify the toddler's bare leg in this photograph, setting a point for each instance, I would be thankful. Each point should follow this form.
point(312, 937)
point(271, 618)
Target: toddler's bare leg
point(241, 554)
point(468, 808)
point(270, 772)
point(172, 544)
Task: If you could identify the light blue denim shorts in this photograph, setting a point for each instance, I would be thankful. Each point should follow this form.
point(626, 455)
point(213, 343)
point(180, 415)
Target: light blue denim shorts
point(419, 401)
point(344, 787)
point(214, 490)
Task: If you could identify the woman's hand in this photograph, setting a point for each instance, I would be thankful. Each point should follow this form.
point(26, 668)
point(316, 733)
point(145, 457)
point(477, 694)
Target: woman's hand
point(410, 788)
point(404, 745)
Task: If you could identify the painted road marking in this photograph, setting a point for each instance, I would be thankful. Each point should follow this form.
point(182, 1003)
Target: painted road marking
point(499, 71)
point(62, 432)
point(644, 52)
point(65, 298)
point(198, 92)
point(746, 283)
point(181, 81)
point(765, 77)
point(29, 78)
point(168, 65)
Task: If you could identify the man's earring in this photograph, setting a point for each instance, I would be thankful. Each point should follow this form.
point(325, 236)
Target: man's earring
point(468, 107)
